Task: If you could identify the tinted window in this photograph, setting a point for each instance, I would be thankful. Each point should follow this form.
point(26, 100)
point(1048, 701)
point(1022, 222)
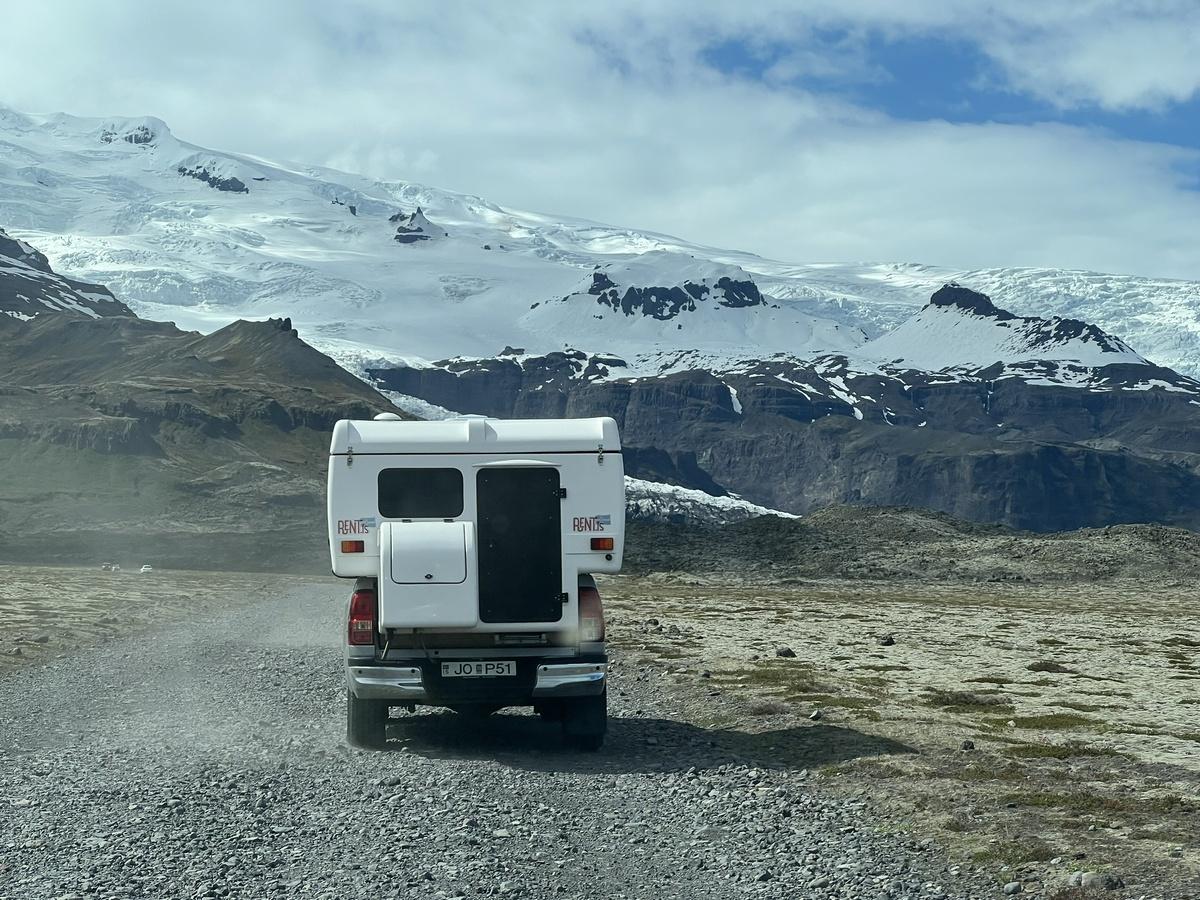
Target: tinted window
point(420, 493)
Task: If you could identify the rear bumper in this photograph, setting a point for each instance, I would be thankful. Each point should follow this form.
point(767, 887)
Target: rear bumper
point(423, 683)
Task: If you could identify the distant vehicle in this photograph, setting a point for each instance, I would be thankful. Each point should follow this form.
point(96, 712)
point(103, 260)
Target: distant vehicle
point(145, 569)
point(474, 542)
point(109, 567)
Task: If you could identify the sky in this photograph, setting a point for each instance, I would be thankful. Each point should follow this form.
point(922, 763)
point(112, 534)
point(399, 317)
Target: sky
point(965, 133)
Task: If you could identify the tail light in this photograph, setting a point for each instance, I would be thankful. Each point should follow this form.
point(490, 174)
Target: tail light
point(602, 543)
point(362, 617)
point(353, 546)
point(591, 615)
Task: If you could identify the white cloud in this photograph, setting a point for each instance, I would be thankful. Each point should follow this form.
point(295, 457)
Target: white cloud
point(1127, 55)
point(608, 112)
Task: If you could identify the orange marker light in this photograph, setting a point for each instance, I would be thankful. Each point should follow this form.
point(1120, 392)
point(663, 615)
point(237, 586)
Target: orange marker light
point(353, 546)
point(602, 543)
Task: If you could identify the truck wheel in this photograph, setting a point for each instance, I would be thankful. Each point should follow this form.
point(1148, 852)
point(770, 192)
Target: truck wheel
point(585, 720)
point(475, 710)
point(366, 722)
point(550, 711)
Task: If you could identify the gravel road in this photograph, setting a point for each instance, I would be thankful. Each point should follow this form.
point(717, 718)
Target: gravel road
point(208, 760)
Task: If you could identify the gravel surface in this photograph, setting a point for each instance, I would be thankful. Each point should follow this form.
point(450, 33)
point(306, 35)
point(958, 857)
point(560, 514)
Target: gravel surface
point(208, 760)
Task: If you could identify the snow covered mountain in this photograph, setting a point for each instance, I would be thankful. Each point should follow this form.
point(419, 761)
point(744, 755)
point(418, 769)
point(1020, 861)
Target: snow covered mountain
point(963, 329)
point(374, 271)
point(661, 301)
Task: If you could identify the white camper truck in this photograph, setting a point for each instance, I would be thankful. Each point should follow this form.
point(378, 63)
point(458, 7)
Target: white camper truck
point(474, 542)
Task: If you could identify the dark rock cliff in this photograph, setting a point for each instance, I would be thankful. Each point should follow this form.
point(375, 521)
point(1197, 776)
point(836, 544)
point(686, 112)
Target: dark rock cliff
point(1009, 450)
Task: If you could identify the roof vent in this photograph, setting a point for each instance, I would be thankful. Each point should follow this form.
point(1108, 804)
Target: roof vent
point(387, 417)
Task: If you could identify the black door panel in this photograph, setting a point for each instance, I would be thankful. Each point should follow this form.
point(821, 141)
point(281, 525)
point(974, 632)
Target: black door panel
point(519, 516)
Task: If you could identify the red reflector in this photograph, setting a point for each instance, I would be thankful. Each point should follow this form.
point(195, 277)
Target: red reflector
point(591, 615)
point(602, 543)
point(353, 546)
point(362, 616)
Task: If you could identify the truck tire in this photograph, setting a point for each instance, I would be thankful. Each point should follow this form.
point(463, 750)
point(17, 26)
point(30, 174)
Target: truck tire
point(475, 710)
point(366, 722)
point(585, 720)
point(550, 710)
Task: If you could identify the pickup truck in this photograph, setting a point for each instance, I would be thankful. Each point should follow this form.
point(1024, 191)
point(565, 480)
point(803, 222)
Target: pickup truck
point(473, 543)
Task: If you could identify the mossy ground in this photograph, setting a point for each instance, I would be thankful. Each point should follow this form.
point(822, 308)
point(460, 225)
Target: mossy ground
point(1084, 742)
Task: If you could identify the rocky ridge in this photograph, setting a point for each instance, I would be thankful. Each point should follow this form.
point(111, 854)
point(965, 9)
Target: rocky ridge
point(28, 286)
point(414, 227)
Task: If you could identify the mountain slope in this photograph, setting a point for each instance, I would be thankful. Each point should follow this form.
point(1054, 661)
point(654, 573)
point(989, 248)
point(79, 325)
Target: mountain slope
point(961, 328)
point(29, 286)
point(119, 434)
point(203, 237)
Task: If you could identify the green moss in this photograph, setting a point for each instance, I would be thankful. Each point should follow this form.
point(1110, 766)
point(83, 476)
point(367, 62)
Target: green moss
point(1078, 801)
point(768, 708)
point(1048, 665)
point(1178, 641)
point(1008, 772)
point(850, 702)
point(1053, 721)
point(1031, 849)
point(787, 676)
point(1059, 751)
point(871, 680)
point(965, 701)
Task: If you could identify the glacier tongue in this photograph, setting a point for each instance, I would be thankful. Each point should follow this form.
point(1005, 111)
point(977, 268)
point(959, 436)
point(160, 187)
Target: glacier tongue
point(652, 501)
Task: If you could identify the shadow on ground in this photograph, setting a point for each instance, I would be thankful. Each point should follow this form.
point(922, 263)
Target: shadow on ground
point(633, 744)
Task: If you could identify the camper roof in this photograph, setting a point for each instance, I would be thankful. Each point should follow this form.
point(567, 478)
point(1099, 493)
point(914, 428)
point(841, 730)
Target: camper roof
point(473, 434)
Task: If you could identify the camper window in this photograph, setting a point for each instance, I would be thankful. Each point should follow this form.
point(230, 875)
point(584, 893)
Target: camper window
point(420, 493)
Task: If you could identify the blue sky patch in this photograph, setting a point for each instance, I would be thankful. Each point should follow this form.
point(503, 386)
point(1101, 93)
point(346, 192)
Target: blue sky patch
point(933, 77)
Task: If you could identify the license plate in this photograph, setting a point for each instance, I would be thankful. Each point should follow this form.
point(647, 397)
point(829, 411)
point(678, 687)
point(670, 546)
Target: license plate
point(478, 669)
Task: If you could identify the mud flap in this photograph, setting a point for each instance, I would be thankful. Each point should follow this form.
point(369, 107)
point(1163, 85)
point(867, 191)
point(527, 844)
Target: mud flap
point(586, 717)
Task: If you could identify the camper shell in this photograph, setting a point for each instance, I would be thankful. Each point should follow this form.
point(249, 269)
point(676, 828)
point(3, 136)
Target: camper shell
point(473, 542)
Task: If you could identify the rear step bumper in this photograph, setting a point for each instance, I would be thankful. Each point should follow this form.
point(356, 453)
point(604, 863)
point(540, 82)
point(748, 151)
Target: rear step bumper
point(386, 682)
point(409, 684)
